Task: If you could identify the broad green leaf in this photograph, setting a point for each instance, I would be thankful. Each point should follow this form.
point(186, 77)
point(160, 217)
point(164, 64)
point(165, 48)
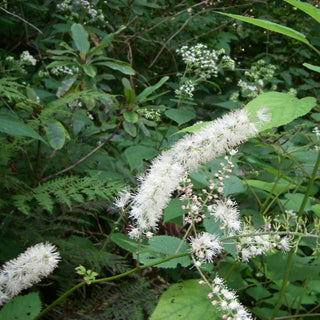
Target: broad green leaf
point(233, 185)
point(293, 202)
point(121, 66)
point(173, 210)
point(80, 38)
point(268, 186)
point(56, 134)
point(194, 128)
point(126, 83)
point(136, 154)
point(24, 307)
point(90, 70)
point(312, 67)
point(280, 108)
point(270, 26)
point(131, 116)
point(124, 242)
point(130, 128)
point(109, 37)
point(66, 84)
point(161, 247)
point(180, 116)
point(143, 96)
point(186, 301)
point(129, 95)
point(307, 8)
point(13, 126)
point(316, 209)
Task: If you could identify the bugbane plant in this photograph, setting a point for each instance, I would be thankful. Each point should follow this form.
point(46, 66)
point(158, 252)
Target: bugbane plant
point(27, 269)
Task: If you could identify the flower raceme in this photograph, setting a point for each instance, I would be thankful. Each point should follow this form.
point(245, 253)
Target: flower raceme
point(27, 269)
point(166, 171)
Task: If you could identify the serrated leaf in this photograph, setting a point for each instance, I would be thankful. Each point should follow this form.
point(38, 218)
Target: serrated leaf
point(187, 301)
point(80, 38)
point(269, 186)
point(136, 154)
point(280, 107)
point(180, 116)
point(24, 307)
point(161, 247)
point(13, 126)
point(56, 134)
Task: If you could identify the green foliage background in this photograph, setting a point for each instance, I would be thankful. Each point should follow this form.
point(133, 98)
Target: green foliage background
point(71, 140)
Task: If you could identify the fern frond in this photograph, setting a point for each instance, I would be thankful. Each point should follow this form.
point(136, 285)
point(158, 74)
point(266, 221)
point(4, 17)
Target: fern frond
point(11, 89)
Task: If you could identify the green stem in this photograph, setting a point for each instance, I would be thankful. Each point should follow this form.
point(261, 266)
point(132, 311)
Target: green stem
point(290, 255)
point(81, 284)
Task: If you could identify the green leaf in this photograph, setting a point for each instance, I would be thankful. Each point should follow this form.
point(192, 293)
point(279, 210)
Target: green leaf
point(269, 186)
point(173, 210)
point(109, 37)
point(56, 134)
point(161, 247)
point(13, 126)
point(271, 26)
point(129, 128)
point(80, 38)
point(66, 85)
point(131, 116)
point(121, 66)
point(24, 307)
point(90, 70)
point(294, 201)
point(316, 209)
point(136, 154)
point(186, 301)
point(281, 107)
point(180, 116)
point(143, 96)
point(312, 67)
point(124, 242)
point(129, 95)
point(307, 8)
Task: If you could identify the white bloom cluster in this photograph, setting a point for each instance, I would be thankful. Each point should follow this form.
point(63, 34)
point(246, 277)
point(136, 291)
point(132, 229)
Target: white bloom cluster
point(193, 150)
point(250, 247)
point(256, 79)
point(27, 58)
point(204, 63)
point(62, 70)
point(186, 89)
point(205, 247)
point(27, 269)
point(226, 211)
point(227, 301)
point(82, 6)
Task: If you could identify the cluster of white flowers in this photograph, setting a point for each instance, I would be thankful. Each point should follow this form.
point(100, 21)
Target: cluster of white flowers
point(82, 6)
point(62, 70)
point(27, 269)
point(186, 89)
point(27, 58)
point(256, 79)
point(226, 211)
point(227, 301)
point(250, 247)
point(193, 150)
point(316, 131)
point(205, 247)
point(204, 63)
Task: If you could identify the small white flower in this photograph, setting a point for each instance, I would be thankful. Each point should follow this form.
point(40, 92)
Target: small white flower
point(263, 116)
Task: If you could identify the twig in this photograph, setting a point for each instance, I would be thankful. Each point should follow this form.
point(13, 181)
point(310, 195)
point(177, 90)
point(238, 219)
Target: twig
point(18, 17)
point(82, 159)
